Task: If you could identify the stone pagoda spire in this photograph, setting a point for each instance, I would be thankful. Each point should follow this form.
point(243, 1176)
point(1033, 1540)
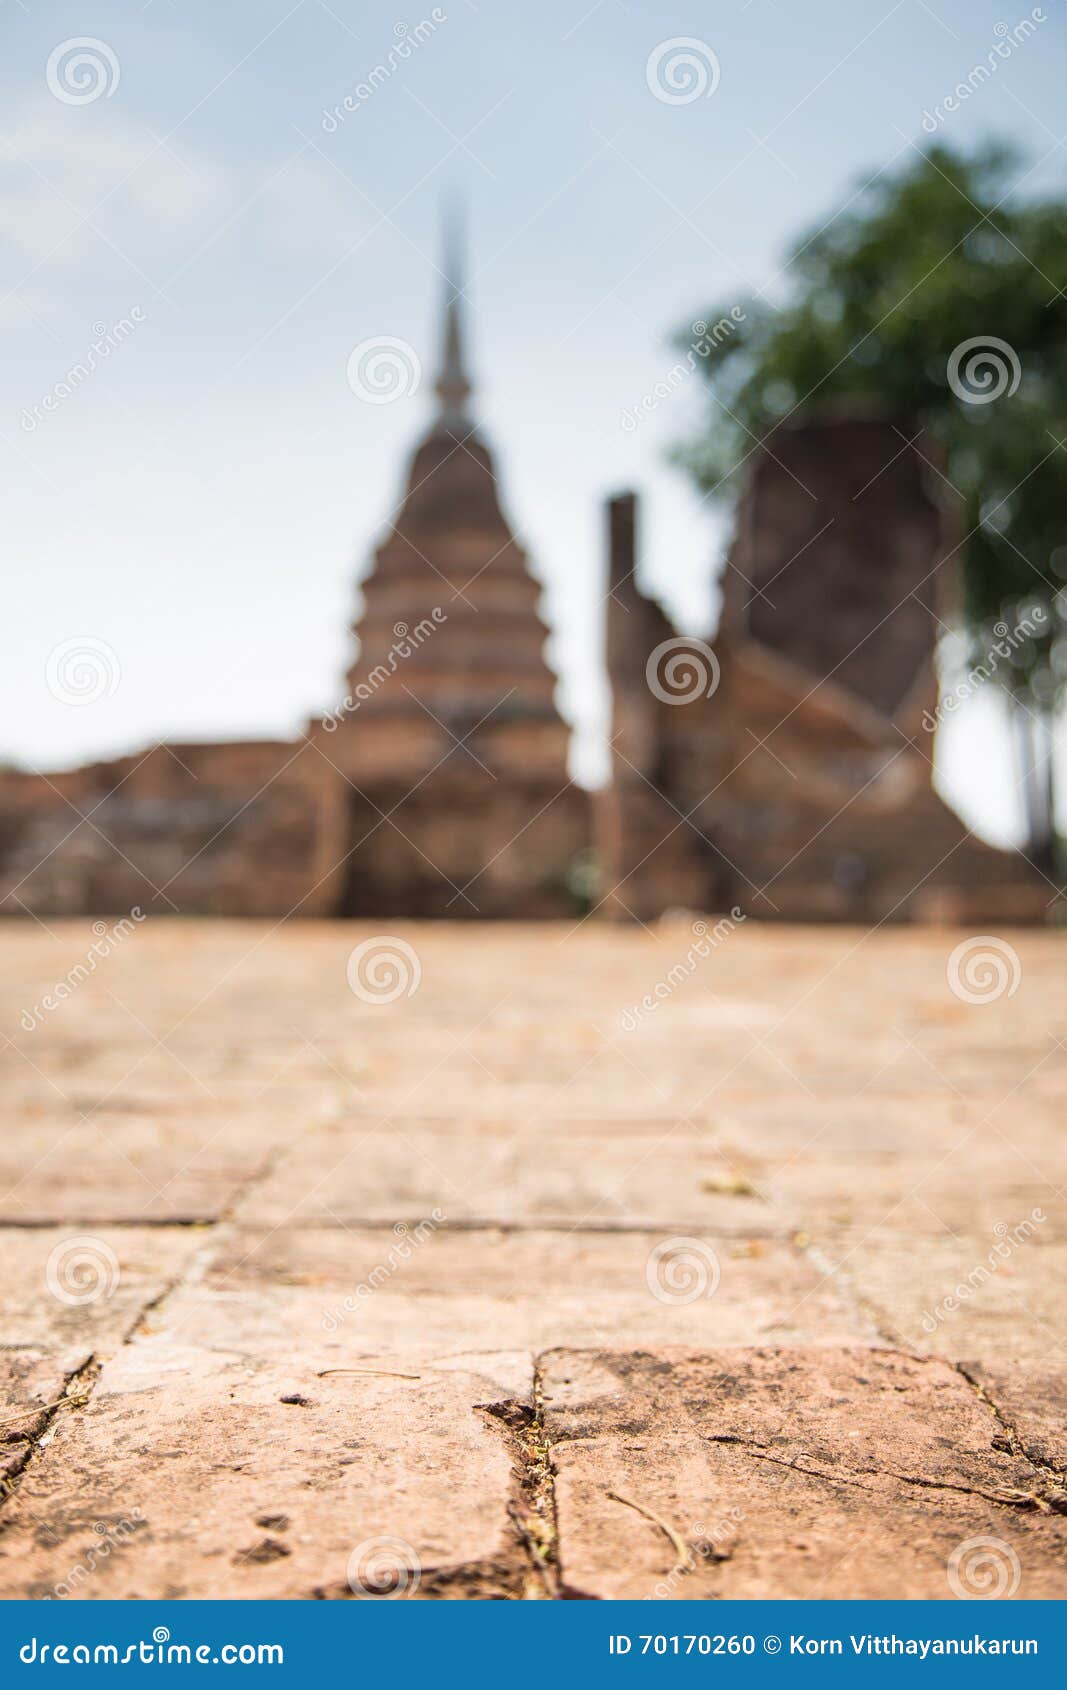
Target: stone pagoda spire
point(452, 573)
point(453, 387)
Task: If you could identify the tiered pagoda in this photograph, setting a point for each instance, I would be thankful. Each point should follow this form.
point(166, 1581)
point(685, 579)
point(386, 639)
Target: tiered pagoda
point(450, 726)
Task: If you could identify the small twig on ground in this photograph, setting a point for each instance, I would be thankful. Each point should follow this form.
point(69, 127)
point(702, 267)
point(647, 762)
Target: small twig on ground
point(381, 1372)
point(75, 1401)
point(681, 1549)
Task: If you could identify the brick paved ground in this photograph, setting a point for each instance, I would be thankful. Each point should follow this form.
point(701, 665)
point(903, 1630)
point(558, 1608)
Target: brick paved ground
point(509, 1287)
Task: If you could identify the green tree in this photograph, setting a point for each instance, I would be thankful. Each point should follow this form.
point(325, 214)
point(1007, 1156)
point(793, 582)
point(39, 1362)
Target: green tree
point(879, 302)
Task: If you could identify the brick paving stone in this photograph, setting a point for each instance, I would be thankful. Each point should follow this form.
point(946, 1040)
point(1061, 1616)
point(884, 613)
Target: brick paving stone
point(213, 1476)
point(921, 1194)
point(947, 1295)
point(809, 1473)
point(338, 1295)
point(159, 1166)
point(66, 1287)
point(527, 1174)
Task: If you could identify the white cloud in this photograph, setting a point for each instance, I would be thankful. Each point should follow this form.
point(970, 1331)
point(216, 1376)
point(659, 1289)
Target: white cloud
point(157, 202)
point(59, 166)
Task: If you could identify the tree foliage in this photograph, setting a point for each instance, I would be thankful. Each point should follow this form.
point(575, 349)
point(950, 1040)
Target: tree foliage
point(877, 302)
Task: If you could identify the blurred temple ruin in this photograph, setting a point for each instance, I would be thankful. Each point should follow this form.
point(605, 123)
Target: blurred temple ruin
point(786, 771)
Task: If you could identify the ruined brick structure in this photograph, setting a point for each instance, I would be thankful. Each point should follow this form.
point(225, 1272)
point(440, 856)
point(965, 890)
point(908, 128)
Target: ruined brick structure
point(785, 772)
point(786, 769)
point(231, 829)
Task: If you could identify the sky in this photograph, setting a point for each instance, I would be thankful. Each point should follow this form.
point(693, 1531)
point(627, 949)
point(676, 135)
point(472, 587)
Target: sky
point(225, 201)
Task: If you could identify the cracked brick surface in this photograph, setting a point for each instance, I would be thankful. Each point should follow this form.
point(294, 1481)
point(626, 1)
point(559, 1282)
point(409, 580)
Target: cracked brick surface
point(285, 1274)
point(810, 1473)
point(197, 1449)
